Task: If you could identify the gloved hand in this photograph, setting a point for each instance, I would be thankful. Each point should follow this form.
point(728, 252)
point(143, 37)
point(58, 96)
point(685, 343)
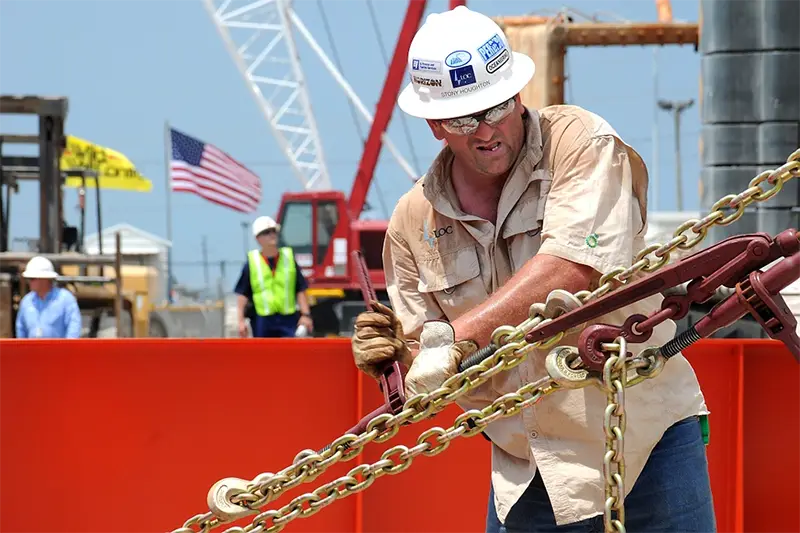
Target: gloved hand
point(378, 340)
point(437, 359)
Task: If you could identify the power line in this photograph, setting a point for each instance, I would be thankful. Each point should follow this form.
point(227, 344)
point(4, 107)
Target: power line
point(350, 103)
point(386, 66)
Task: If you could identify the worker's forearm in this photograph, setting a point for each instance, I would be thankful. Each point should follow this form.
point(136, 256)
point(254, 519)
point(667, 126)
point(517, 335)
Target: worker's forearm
point(241, 302)
point(302, 301)
point(510, 305)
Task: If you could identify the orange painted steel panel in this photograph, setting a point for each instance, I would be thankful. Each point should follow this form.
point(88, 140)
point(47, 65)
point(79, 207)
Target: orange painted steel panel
point(128, 435)
point(718, 369)
point(121, 436)
point(445, 493)
point(771, 437)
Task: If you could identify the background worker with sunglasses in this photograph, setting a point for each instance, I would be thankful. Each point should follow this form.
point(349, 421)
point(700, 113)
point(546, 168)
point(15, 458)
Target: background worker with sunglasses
point(273, 287)
point(519, 203)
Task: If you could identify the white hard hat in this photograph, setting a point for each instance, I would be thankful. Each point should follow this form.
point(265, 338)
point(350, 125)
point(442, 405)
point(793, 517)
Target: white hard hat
point(460, 63)
point(39, 268)
point(264, 223)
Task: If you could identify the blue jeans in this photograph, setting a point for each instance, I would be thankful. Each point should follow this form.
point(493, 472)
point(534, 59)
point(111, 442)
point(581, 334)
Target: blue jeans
point(672, 494)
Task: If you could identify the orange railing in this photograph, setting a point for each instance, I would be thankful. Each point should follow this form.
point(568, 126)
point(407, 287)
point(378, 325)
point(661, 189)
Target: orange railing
point(128, 435)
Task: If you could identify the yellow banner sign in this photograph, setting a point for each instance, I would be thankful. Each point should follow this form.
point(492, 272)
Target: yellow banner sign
point(115, 170)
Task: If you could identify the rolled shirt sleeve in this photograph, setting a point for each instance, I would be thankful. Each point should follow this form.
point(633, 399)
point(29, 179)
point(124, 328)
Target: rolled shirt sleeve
point(592, 215)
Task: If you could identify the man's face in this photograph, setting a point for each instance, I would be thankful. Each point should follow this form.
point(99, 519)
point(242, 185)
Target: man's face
point(40, 285)
point(489, 150)
point(268, 238)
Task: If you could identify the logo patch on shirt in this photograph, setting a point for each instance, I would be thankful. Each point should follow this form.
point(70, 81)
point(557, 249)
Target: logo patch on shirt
point(592, 240)
point(431, 236)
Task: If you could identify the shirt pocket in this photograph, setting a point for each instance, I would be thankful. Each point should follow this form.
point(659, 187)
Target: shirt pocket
point(453, 279)
point(523, 228)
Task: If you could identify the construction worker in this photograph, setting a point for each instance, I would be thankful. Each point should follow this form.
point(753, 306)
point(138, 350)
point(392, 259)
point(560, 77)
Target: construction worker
point(272, 281)
point(46, 311)
point(521, 202)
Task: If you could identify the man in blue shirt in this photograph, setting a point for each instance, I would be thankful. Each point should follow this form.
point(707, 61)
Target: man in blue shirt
point(272, 281)
point(47, 311)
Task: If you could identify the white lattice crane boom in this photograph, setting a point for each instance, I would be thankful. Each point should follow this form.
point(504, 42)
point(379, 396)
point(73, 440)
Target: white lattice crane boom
point(258, 35)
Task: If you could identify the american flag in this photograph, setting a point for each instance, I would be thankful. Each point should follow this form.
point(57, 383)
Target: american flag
point(207, 171)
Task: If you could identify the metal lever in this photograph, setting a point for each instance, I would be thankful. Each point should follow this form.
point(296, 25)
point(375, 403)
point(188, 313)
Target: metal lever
point(723, 264)
point(392, 379)
point(759, 295)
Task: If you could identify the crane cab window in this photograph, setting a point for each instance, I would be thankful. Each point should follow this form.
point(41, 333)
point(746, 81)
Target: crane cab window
point(327, 218)
point(296, 227)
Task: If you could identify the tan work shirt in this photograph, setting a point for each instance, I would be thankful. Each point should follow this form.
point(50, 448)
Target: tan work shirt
point(575, 183)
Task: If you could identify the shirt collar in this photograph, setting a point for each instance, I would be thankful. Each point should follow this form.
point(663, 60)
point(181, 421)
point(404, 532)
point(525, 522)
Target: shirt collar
point(47, 297)
point(438, 189)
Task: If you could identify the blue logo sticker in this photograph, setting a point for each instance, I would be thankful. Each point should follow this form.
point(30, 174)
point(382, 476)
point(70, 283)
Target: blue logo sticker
point(458, 58)
point(491, 48)
point(424, 65)
point(463, 76)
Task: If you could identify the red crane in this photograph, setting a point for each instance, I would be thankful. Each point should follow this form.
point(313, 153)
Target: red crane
point(335, 228)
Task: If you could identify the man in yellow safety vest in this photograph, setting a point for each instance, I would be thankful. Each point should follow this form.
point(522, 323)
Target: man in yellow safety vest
point(275, 285)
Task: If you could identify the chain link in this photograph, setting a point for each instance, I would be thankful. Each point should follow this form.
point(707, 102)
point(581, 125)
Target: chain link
point(512, 351)
point(615, 372)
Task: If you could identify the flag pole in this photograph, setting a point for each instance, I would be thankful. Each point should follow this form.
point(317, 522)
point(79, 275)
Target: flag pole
point(168, 184)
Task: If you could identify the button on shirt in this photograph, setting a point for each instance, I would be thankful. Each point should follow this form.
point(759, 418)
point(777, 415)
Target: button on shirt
point(56, 316)
point(578, 192)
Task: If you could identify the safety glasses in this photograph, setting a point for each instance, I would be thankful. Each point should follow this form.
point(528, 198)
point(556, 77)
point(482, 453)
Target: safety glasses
point(469, 124)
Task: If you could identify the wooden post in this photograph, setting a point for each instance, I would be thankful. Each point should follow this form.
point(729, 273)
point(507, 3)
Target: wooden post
point(118, 283)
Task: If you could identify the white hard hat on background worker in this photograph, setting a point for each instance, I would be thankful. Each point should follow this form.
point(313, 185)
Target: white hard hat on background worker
point(39, 268)
point(460, 63)
point(263, 224)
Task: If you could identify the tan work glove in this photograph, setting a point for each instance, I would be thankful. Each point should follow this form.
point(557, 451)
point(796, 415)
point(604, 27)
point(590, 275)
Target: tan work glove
point(437, 359)
point(378, 340)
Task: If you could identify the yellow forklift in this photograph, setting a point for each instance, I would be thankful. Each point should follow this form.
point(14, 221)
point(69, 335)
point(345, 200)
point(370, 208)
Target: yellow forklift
point(95, 280)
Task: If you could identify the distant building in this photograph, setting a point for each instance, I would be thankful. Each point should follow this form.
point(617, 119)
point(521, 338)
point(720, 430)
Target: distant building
point(138, 246)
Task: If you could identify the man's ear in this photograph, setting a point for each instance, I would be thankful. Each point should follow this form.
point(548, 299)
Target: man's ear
point(436, 129)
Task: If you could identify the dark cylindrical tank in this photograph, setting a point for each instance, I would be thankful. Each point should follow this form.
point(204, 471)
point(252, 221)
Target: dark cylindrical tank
point(750, 106)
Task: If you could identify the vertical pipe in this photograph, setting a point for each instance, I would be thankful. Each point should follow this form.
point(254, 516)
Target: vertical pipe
point(656, 171)
point(168, 183)
point(676, 112)
point(118, 282)
point(206, 275)
point(3, 220)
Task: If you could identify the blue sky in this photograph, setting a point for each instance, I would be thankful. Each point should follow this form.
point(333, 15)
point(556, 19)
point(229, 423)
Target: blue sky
point(128, 65)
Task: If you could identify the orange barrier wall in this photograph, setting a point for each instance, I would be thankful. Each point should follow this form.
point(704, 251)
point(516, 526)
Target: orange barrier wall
point(128, 436)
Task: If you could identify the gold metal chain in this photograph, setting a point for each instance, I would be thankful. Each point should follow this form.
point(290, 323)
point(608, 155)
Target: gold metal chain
point(614, 383)
point(513, 349)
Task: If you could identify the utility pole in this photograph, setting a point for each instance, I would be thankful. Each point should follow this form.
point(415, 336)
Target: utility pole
point(204, 246)
point(244, 237)
point(677, 107)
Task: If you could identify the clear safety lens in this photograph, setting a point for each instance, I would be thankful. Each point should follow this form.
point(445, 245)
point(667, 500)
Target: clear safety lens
point(469, 125)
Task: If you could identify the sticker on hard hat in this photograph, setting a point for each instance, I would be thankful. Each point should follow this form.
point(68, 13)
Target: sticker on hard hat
point(429, 82)
point(424, 65)
point(491, 48)
point(458, 58)
point(462, 76)
point(493, 65)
